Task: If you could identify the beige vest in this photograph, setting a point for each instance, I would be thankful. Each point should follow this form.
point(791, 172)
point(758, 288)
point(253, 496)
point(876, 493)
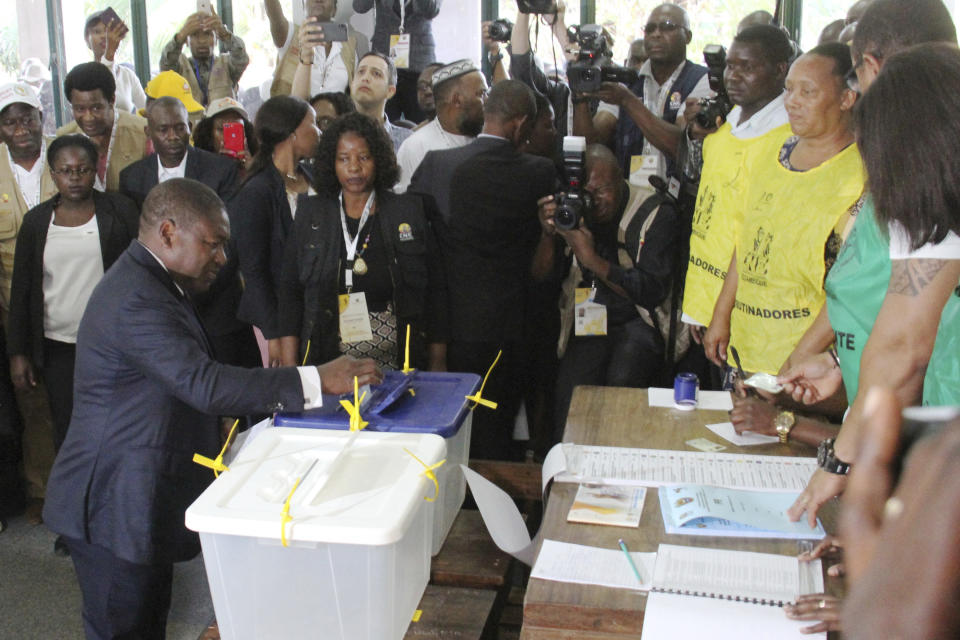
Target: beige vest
point(130, 146)
point(287, 66)
point(219, 84)
point(12, 209)
point(637, 197)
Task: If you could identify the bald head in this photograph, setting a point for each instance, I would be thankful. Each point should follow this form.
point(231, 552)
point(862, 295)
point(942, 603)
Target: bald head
point(181, 200)
point(509, 100)
point(674, 12)
point(831, 32)
point(599, 155)
point(755, 18)
point(856, 12)
point(166, 102)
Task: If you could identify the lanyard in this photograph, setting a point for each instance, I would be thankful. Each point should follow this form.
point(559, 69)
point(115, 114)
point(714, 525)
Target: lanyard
point(351, 243)
point(403, 11)
point(32, 199)
point(101, 183)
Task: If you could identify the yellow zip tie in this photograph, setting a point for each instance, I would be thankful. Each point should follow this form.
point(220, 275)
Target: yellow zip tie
point(217, 463)
point(305, 354)
point(428, 471)
point(407, 369)
point(353, 408)
point(477, 398)
point(417, 614)
point(285, 516)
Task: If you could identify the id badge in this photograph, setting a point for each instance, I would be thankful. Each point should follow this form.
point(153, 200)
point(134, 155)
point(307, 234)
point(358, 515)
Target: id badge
point(590, 318)
point(400, 50)
point(354, 318)
point(641, 168)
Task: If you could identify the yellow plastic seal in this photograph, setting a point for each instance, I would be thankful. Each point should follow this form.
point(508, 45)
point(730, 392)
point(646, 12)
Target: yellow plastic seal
point(357, 423)
point(430, 472)
point(417, 614)
point(217, 463)
point(407, 369)
point(285, 516)
point(478, 397)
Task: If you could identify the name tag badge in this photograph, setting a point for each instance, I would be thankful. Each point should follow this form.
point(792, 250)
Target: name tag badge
point(590, 318)
point(676, 101)
point(400, 50)
point(354, 318)
point(641, 168)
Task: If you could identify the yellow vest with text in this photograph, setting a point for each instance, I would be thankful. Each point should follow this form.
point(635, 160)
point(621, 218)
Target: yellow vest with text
point(717, 217)
point(788, 218)
point(12, 209)
point(287, 65)
point(130, 146)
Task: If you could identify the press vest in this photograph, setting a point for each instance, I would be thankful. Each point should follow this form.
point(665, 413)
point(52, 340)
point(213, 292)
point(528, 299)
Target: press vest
point(12, 209)
point(856, 287)
point(629, 139)
point(219, 83)
point(287, 66)
point(788, 218)
point(130, 146)
point(717, 217)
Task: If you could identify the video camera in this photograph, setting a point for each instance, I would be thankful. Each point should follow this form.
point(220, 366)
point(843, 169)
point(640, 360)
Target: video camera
point(500, 30)
point(537, 6)
point(587, 72)
point(719, 106)
point(573, 202)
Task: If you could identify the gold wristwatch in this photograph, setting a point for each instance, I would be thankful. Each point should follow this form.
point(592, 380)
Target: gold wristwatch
point(784, 422)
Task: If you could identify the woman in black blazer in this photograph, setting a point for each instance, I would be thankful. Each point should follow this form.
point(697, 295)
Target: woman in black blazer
point(263, 209)
point(63, 249)
point(358, 238)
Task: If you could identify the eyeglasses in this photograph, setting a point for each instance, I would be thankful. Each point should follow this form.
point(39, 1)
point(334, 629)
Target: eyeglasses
point(665, 26)
point(79, 172)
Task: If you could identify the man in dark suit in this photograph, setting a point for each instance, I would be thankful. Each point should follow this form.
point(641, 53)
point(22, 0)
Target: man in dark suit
point(146, 398)
point(488, 229)
point(168, 127)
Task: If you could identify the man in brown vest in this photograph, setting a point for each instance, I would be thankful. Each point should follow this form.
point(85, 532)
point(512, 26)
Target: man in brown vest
point(91, 90)
point(210, 76)
point(25, 182)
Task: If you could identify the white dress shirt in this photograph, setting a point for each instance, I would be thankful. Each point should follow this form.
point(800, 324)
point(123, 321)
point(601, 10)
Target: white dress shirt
point(29, 181)
point(164, 173)
point(430, 137)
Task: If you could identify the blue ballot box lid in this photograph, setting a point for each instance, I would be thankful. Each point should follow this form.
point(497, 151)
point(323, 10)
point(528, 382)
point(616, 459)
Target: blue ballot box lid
point(437, 405)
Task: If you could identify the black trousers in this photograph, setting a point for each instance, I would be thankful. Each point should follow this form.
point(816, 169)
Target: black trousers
point(58, 361)
point(630, 355)
point(492, 434)
point(404, 103)
point(121, 600)
point(12, 495)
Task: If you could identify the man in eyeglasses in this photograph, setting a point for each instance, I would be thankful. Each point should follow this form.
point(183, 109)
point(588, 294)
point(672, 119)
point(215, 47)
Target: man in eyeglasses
point(639, 122)
point(25, 182)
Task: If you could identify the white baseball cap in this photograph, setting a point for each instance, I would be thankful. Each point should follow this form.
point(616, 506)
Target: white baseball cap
point(18, 92)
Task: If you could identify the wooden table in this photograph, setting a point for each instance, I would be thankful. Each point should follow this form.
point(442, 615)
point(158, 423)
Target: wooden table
point(609, 416)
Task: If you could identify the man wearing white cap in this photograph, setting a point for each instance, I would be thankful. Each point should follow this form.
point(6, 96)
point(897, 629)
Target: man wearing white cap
point(25, 182)
point(459, 90)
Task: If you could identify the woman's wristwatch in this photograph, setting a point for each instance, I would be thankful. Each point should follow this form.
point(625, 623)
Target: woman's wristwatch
point(828, 461)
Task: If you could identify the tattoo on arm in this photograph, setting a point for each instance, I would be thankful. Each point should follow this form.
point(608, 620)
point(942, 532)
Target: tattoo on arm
point(910, 277)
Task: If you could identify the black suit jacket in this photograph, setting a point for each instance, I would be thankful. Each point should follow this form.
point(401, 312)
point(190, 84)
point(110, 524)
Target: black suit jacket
point(146, 398)
point(117, 222)
point(217, 172)
point(487, 228)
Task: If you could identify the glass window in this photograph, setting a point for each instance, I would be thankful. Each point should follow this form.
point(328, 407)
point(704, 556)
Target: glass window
point(75, 17)
point(817, 14)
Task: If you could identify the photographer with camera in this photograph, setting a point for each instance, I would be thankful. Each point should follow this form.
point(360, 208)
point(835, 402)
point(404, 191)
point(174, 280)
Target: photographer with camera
point(616, 249)
point(639, 121)
point(756, 67)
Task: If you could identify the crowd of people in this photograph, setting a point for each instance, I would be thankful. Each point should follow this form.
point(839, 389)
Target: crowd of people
point(166, 261)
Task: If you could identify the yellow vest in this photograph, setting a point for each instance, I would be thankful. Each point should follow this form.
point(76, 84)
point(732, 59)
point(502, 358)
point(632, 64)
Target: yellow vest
point(130, 146)
point(788, 218)
point(287, 65)
point(12, 209)
point(219, 84)
point(717, 216)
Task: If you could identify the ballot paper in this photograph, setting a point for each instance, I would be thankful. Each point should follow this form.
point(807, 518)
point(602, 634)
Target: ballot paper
point(717, 400)
point(746, 439)
point(656, 467)
point(566, 562)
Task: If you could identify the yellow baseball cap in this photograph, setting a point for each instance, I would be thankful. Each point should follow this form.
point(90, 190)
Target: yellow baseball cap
point(171, 83)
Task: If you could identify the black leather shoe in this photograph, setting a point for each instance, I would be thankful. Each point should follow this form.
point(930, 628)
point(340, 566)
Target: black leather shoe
point(60, 547)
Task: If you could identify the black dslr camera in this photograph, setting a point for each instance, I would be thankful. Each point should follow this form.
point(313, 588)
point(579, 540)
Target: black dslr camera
point(500, 30)
point(587, 72)
point(537, 6)
point(573, 202)
point(719, 105)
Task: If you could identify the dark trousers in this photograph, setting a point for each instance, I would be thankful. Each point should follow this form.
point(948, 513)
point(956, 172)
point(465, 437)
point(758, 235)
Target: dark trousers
point(121, 600)
point(58, 361)
point(11, 430)
point(492, 434)
point(404, 103)
point(630, 355)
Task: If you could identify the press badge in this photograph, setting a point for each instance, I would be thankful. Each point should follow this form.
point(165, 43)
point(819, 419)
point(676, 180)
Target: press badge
point(400, 50)
point(354, 318)
point(642, 167)
point(590, 318)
